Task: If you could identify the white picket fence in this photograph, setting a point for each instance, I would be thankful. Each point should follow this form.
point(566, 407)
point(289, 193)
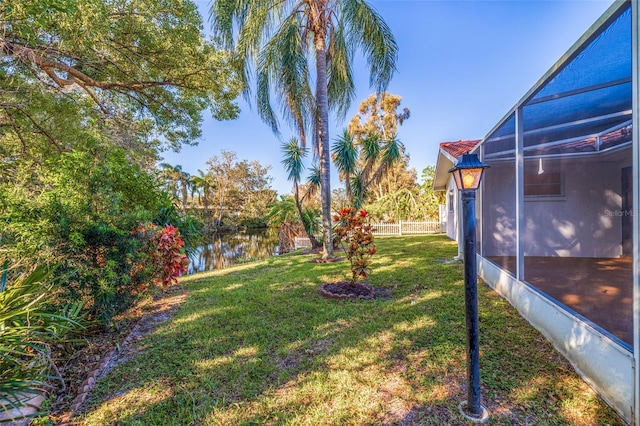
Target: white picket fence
point(405, 228)
point(401, 228)
point(299, 242)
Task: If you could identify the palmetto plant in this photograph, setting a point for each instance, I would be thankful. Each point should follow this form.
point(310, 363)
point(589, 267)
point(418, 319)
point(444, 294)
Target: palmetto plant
point(283, 41)
point(26, 331)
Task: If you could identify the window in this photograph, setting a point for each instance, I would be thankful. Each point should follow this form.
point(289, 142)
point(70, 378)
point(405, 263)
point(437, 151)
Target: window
point(451, 201)
point(547, 184)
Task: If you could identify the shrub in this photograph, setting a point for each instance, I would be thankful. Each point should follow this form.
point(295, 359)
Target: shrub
point(110, 267)
point(356, 237)
point(167, 256)
point(27, 330)
point(77, 210)
point(97, 270)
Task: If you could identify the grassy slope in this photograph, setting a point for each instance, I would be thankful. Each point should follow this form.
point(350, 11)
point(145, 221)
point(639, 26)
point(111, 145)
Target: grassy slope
point(255, 344)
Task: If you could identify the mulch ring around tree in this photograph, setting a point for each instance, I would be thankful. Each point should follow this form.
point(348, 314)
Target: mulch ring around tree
point(347, 290)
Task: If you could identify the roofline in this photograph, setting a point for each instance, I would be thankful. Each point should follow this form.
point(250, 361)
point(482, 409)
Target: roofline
point(607, 17)
point(449, 156)
point(436, 185)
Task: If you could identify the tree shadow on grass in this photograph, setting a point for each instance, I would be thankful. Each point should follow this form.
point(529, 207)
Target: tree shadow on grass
point(257, 345)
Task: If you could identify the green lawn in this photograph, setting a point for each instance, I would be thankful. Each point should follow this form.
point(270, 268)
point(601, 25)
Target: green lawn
point(257, 345)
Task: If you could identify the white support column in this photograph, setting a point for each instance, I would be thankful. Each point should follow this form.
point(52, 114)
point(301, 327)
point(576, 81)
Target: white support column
point(459, 222)
point(520, 223)
point(635, 107)
point(480, 210)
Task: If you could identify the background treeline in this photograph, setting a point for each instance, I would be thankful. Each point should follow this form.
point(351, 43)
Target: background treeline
point(229, 194)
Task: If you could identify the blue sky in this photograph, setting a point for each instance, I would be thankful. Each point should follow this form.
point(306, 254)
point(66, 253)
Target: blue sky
point(462, 65)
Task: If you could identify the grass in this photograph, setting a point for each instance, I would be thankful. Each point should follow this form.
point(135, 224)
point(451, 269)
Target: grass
point(256, 345)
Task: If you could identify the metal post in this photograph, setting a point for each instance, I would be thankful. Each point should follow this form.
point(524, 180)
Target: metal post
point(474, 409)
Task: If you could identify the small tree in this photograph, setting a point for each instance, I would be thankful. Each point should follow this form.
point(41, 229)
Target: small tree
point(356, 237)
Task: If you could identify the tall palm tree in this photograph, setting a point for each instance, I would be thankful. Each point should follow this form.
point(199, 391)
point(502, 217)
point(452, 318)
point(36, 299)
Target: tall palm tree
point(280, 39)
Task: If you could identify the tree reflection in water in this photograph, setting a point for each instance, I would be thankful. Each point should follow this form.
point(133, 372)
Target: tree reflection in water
point(228, 249)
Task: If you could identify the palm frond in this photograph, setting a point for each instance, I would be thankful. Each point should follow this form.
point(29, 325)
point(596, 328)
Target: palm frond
point(371, 147)
point(26, 331)
point(359, 190)
point(263, 100)
point(392, 150)
point(293, 159)
point(313, 182)
point(341, 88)
point(344, 154)
point(282, 211)
point(368, 30)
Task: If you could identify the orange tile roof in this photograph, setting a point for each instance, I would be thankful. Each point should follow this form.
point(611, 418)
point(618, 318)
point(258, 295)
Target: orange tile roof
point(457, 148)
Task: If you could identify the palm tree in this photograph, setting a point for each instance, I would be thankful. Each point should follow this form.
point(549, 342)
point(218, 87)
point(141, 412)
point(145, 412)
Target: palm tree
point(293, 165)
point(203, 182)
point(177, 182)
point(280, 38)
point(363, 165)
point(368, 150)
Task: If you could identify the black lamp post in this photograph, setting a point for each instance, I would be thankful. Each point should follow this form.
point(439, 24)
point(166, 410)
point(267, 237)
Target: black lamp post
point(467, 174)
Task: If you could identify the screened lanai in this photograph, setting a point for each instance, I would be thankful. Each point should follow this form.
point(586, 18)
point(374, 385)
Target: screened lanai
point(556, 206)
point(575, 218)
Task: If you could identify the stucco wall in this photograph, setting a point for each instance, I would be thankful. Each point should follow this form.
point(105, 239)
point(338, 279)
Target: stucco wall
point(581, 223)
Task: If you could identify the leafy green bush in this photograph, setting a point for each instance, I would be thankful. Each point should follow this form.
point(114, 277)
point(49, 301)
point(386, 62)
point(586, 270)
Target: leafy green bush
point(99, 272)
point(78, 209)
point(112, 267)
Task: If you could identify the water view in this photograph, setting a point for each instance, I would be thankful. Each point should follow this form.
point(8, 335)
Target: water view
point(228, 249)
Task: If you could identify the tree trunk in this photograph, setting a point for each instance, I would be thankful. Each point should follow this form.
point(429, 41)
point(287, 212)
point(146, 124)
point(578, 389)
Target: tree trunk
point(185, 196)
point(323, 146)
point(220, 206)
point(314, 241)
point(205, 202)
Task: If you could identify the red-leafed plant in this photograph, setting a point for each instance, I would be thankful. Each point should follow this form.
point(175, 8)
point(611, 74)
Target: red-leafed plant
point(170, 258)
point(356, 237)
point(165, 259)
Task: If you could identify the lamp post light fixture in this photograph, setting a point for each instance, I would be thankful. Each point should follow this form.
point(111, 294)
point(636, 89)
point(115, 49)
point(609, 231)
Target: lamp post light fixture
point(467, 174)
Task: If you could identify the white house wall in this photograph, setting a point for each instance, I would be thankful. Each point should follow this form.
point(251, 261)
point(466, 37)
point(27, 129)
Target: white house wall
point(584, 222)
point(452, 216)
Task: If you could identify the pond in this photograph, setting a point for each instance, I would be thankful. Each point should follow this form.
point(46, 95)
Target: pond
point(228, 249)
